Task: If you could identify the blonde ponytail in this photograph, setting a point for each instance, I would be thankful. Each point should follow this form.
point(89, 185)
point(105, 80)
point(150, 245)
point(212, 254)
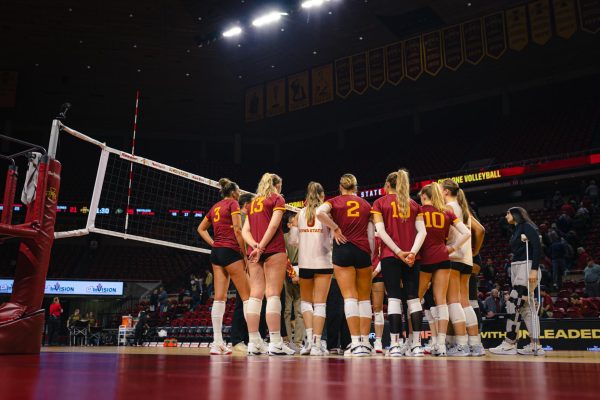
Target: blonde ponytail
point(266, 186)
point(348, 182)
point(434, 193)
point(402, 188)
point(313, 200)
point(461, 199)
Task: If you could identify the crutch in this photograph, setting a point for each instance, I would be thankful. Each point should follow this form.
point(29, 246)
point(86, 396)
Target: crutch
point(535, 308)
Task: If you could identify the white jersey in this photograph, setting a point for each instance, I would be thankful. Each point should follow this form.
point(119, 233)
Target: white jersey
point(464, 254)
point(314, 243)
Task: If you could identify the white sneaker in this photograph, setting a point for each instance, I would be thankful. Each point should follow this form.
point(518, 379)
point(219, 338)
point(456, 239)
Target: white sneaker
point(219, 349)
point(395, 351)
point(528, 350)
point(416, 351)
point(378, 346)
point(316, 351)
point(439, 350)
point(427, 349)
point(459, 351)
point(240, 348)
point(348, 351)
point(477, 351)
point(280, 349)
point(368, 347)
point(505, 349)
point(360, 350)
point(257, 349)
point(292, 346)
point(306, 349)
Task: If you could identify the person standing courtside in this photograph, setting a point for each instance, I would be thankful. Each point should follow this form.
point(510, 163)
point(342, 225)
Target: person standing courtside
point(54, 321)
point(292, 291)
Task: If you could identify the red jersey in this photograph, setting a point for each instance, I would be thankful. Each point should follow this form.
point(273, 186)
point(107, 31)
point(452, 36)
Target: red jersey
point(376, 256)
point(352, 213)
point(401, 228)
point(438, 224)
point(260, 212)
point(55, 309)
point(220, 218)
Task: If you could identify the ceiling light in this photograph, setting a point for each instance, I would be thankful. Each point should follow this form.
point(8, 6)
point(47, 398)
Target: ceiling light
point(268, 18)
point(235, 31)
point(312, 3)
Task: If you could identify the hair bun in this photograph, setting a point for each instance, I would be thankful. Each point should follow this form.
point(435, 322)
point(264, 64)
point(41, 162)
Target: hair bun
point(224, 182)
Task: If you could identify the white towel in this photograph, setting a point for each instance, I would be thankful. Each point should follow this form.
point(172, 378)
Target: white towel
point(28, 194)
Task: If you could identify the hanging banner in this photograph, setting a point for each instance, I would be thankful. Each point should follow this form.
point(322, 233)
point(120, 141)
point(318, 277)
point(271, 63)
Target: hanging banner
point(589, 14)
point(298, 95)
point(8, 89)
point(377, 68)
point(516, 27)
point(432, 52)
point(275, 98)
point(322, 84)
point(394, 60)
point(414, 58)
point(453, 47)
point(565, 18)
point(254, 103)
point(343, 86)
point(539, 20)
point(473, 35)
point(360, 81)
point(495, 37)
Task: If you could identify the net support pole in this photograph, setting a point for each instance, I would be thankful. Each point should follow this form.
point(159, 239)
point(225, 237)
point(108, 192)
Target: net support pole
point(54, 133)
point(97, 189)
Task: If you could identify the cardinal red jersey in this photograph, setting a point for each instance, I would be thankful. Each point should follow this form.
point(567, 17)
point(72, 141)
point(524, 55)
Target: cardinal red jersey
point(401, 228)
point(376, 256)
point(260, 212)
point(352, 213)
point(220, 218)
point(438, 225)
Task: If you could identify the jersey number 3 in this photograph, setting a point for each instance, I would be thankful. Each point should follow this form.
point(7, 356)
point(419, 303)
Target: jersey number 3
point(353, 208)
point(217, 214)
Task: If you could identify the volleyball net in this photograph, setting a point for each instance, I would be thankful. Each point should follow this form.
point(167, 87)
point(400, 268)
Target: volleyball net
point(136, 198)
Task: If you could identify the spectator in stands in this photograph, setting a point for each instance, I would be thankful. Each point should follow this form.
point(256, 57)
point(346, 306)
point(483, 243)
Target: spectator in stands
point(194, 281)
point(76, 316)
point(592, 192)
point(196, 295)
point(494, 304)
point(547, 304)
point(154, 300)
point(564, 223)
point(557, 200)
point(54, 321)
point(576, 301)
point(163, 299)
point(591, 277)
point(557, 254)
point(91, 320)
point(140, 328)
point(568, 209)
point(582, 259)
point(582, 220)
point(208, 285)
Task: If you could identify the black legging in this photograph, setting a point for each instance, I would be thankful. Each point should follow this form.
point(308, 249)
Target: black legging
point(338, 334)
point(53, 329)
point(402, 282)
point(239, 328)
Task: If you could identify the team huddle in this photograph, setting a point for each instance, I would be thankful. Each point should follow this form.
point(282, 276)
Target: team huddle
point(425, 255)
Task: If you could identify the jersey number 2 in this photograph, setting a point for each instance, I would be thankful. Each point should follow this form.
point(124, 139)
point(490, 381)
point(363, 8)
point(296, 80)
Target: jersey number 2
point(353, 208)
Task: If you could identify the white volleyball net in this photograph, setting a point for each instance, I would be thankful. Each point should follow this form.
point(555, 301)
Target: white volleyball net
point(164, 205)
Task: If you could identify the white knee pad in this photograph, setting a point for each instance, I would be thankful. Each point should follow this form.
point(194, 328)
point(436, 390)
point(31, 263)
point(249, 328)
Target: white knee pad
point(394, 306)
point(351, 307)
point(471, 317)
point(379, 320)
point(442, 312)
point(305, 306)
point(320, 309)
point(218, 309)
point(254, 306)
point(273, 305)
point(364, 309)
point(457, 314)
point(474, 303)
point(434, 312)
point(414, 305)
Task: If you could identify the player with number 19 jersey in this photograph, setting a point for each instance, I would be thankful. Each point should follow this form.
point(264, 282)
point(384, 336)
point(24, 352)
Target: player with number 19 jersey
point(401, 228)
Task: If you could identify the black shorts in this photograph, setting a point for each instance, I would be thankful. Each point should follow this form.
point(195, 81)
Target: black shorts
point(401, 280)
point(378, 279)
point(464, 269)
point(224, 256)
point(431, 268)
point(307, 273)
point(473, 287)
point(348, 255)
point(477, 260)
point(265, 256)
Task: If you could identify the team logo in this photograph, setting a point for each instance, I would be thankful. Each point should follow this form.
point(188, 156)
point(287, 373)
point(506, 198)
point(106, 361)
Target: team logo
point(51, 194)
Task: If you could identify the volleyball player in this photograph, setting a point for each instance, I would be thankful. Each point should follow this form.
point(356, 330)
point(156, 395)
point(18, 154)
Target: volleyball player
point(477, 237)
point(377, 295)
point(435, 260)
point(267, 260)
point(399, 222)
point(353, 234)
point(313, 240)
point(226, 257)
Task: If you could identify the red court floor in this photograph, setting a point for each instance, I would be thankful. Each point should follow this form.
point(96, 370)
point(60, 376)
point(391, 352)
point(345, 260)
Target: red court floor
point(184, 375)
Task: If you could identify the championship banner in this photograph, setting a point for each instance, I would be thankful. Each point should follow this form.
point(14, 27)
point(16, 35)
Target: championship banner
point(589, 13)
point(414, 58)
point(377, 68)
point(473, 36)
point(322, 84)
point(254, 104)
point(539, 20)
point(8, 88)
point(360, 82)
point(516, 27)
point(298, 95)
point(495, 37)
point(342, 77)
point(275, 98)
point(565, 18)
point(432, 52)
point(394, 60)
point(453, 47)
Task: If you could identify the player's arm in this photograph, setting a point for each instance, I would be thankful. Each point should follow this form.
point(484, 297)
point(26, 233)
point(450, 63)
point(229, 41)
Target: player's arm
point(371, 236)
point(271, 229)
point(236, 220)
point(464, 234)
point(385, 238)
point(421, 234)
point(478, 234)
point(203, 231)
point(247, 234)
point(323, 215)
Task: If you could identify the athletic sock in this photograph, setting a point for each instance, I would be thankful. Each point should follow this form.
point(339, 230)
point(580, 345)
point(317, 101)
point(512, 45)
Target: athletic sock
point(441, 338)
point(275, 337)
point(316, 340)
point(254, 337)
point(395, 338)
point(309, 335)
point(462, 340)
point(450, 340)
point(355, 339)
point(475, 340)
point(416, 339)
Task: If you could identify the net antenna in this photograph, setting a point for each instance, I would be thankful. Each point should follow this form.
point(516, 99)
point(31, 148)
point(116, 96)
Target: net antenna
point(165, 209)
point(137, 100)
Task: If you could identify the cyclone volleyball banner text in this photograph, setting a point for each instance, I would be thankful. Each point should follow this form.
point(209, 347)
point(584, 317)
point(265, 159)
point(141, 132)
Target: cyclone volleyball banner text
point(77, 288)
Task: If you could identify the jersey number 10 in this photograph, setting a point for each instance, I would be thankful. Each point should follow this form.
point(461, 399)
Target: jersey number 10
point(435, 220)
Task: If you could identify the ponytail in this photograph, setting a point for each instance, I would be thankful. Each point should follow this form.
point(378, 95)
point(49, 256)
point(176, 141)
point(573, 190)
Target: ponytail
point(434, 193)
point(227, 187)
point(403, 192)
point(266, 186)
point(313, 200)
point(464, 206)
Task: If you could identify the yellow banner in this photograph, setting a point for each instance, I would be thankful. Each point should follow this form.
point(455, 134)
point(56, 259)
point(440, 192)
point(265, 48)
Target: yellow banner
point(394, 61)
point(432, 52)
point(8, 88)
point(539, 20)
point(516, 27)
point(275, 98)
point(453, 47)
point(565, 18)
point(495, 37)
point(473, 36)
point(377, 68)
point(254, 103)
point(298, 95)
point(414, 58)
point(360, 81)
point(322, 84)
point(589, 14)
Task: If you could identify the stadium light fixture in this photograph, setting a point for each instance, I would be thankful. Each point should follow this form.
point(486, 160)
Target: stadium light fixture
point(312, 3)
point(268, 18)
point(231, 32)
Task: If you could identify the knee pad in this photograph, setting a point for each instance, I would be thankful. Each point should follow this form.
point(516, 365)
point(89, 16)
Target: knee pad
point(379, 320)
point(471, 317)
point(305, 306)
point(394, 306)
point(364, 309)
point(414, 305)
point(320, 309)
point(434, 313)
point(351, 308)
point(517, 295)
point(273, 305)
point(457, 314)
point(218, 309)
point(442, 311)
point(474, 303)
point(254, 306)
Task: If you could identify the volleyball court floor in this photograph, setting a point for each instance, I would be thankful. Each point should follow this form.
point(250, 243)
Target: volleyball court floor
point(180, 373)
